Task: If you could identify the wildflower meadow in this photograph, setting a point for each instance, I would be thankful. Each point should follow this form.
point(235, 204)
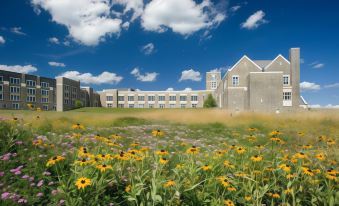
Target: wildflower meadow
point(152, 162)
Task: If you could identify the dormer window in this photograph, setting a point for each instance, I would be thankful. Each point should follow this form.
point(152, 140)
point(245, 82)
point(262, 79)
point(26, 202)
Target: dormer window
point(235, 80)
point(286, 80)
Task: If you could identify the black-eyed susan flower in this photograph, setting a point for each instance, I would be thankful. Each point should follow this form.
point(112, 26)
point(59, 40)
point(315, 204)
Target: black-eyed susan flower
point(300, 155)
point(241, 150)
point(104, 156)
point(288, 191)
point(256, 158)
point(128, 188)
point(275, 133)
point(290, 176)
point(248, 197)
point(231, 189)
point(83, 162)
point(307, 171)
point(192, 150)
point(228, 164)
point(320, 156)
point(122, 156)
point(285, 167)
point(82, 182)
point(135, 144)
point(276, 195)
point(157, 133)
point(169, 183)
point(161, 152)
point(259, 146)
point(206, 167)
point(308, 146)
point(252, 138)
point(229, 202)
point(252, 129)
point(103, 167)
point(331, 142)
point(115, 136)
point(77, 126)
point(37, 142)
point(224, 181)
point(54, 160)
point(322, 138)
point(163, 161)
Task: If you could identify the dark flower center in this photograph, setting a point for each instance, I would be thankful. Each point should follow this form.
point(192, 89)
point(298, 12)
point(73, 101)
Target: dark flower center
point(83, 181)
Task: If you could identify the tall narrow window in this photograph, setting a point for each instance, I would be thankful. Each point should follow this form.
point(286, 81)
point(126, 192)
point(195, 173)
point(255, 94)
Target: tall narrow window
point(235, 80)
point(286, 80)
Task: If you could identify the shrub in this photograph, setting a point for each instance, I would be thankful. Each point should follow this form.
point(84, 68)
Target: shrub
point(210, 102)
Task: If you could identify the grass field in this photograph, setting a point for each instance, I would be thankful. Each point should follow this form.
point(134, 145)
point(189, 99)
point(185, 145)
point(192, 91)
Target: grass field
point(98, 156)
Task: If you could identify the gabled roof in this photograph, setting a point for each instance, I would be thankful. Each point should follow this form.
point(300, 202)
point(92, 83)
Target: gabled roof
point(262, 63)
point(275, 60)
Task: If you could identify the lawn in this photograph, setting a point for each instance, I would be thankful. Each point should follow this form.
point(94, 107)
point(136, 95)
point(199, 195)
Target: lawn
point(98, 156)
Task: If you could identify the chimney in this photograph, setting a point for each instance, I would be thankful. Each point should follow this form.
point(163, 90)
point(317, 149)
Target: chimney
point(295, 76)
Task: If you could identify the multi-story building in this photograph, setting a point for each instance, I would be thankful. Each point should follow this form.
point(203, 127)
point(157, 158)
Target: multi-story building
point(249, 85)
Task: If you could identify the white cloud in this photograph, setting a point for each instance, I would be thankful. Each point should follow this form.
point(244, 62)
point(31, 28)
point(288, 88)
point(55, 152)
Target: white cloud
point(88, 78)
point(235, 8)
point(182, 16)
point(148, 49)
point(170, 89)
point(335, 85)
point(137, 6)
point(54, 40)
point(309, 86)
point(88, 21)
point(18, 68)
point(188, 89)
point(329, 106)
point(2, 40)
point(220, 69)
point(255, 20)
point(317, 65)
point(147, 77)
point(56, 64)
point(17, 30)
point(332, 106)
point(190, 75)
point(125, 25)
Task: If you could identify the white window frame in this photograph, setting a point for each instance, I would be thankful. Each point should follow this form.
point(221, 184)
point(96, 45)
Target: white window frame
point(17, 105)
point(14, 80)
point(162, 106)
point(235, 80)
point(46, 85)
point(141, 98)
point(29, 91)
point(194, 98)
point(183, 98)
point(14, 89)
point(288, 80)
point(151, 98)
point(287, 102)
point(30, 83)
point(161, 98)
point(173, 98)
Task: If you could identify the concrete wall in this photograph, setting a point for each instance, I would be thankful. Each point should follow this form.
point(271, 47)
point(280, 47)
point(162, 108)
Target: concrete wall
point(295, 76)
point(265, 91)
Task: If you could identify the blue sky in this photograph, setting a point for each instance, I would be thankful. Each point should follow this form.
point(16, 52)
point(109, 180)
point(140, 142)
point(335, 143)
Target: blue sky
point(160, 44)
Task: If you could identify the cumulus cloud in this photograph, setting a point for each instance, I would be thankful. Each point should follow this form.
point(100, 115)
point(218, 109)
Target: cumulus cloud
point(88, 21)
point(220, 69)
point(335, 85)
point(54, 40)
point(317, 65)
point(328, 106)
point(17, 30)
point(147, 77)
point(188, 89)
point(18, 68)
point(190, 75)
point(2, 40)
point(136, 6)
point(56, 64)
point(181, 16)
point(148, 49)
point(255, 20)
point(309, 86)
point(235, 8)
point(170, 89)
point(88, 78)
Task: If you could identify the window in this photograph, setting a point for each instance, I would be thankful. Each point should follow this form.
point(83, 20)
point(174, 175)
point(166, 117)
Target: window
point(44, 92)
point(110, 105)
point(287, 96)
point(13, 80)
point(16, 106)
point(30, 91)
point(1, 79)
point(194, 105)
point(46, 85)
point(194, 98)
point(161, 98)
point(151, 98)
point(130, 98)
point(45, 107)
point(141, 106)
point(172, 98)
point(15, 97)
point(235, 80)
point(213, 85)
point(44, 100)
point(66, 101)
point(213, 77)
point(172, 105)
point(182, 106)
point(1, 93)
point(30, 83)
point(109, 98)
point(141, 98)
point(286, 80)
point(131, 106)
point(30, 99)
point(161, 106)
point(150, 105)
point(14, 89)
point(121, 105)
point(121, 98)
point(183, 98)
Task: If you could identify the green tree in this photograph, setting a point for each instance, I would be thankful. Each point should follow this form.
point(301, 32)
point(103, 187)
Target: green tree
point(78, 104)
point(210, 102)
